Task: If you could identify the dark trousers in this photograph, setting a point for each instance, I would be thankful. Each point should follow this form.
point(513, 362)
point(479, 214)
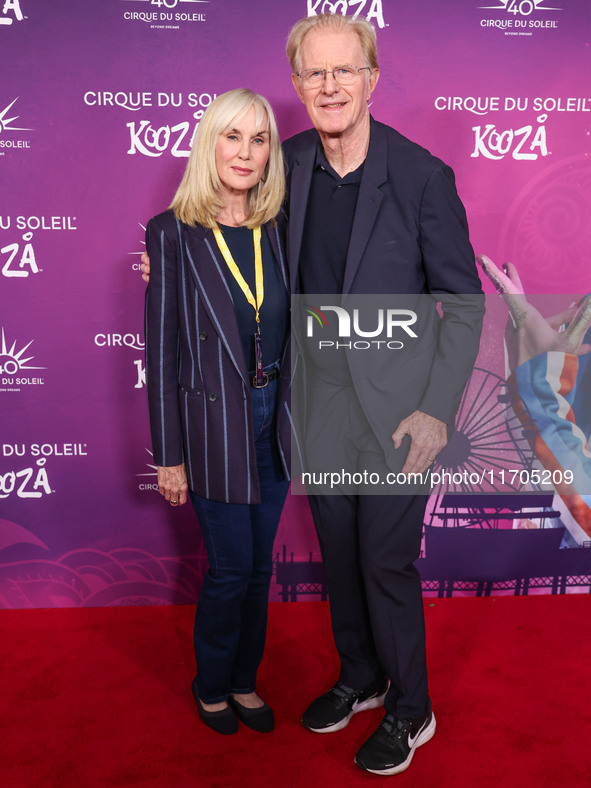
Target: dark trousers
point(369, 544)
point(231, 616)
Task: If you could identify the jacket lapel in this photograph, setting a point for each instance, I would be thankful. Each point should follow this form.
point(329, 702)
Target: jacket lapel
point(301, 177)
point(203, 259)
point(368, 202)
point(273, 234)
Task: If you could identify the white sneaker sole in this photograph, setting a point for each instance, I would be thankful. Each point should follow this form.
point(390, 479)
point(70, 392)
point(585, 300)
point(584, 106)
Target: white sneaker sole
point(371, 703)
point(424, 737)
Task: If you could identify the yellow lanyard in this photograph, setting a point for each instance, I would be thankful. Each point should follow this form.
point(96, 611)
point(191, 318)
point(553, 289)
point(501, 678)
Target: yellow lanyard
point(258, 268)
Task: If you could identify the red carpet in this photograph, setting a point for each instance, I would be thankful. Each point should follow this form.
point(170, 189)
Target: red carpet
point(101, 697)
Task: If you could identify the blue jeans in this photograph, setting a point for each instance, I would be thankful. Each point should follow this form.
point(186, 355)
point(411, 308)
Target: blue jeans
point(231, 617)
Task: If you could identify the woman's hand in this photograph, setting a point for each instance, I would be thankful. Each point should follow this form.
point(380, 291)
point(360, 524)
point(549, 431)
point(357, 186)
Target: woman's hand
point(172, 484)
point(145, 267)
point(528, 333)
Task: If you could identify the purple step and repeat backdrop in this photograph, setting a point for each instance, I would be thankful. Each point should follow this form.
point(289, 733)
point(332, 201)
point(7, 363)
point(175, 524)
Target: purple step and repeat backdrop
point(98, 105)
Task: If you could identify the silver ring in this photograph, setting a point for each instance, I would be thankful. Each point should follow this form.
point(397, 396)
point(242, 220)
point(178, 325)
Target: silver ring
point(430, 459)
point(173, 501)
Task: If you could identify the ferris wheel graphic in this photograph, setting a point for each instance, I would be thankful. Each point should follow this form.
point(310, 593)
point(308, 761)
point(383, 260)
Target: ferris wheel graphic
point(490, 442)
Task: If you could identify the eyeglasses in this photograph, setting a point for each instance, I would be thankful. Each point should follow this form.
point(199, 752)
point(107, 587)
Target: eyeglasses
point(344, 75)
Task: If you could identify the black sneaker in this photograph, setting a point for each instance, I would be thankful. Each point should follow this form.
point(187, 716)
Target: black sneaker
point(390, 749)
point(333, 710)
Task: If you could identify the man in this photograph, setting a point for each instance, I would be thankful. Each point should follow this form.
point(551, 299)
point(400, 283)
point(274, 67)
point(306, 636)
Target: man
point(370, 211)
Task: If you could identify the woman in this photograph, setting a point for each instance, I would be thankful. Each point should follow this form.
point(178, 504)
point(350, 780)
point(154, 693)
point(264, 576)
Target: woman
point(216, 348)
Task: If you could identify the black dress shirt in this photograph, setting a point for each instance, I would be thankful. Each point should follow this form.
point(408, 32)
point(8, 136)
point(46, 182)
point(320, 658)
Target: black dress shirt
point(329, 219)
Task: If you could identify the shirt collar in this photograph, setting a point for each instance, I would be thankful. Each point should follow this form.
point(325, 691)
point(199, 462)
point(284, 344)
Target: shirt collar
point(321, 163)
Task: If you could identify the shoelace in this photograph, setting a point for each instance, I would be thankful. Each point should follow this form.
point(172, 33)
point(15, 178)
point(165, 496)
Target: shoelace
point(393, 727)
point(344, 692)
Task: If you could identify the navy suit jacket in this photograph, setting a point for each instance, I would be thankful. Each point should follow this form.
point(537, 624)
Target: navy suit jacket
point(199, 394)
point(409, 236)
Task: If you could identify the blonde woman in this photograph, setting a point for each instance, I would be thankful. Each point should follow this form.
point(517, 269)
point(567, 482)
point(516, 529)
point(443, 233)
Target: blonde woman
point(217, 313)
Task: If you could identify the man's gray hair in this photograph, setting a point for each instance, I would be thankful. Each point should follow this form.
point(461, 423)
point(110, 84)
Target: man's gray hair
point(335, 22)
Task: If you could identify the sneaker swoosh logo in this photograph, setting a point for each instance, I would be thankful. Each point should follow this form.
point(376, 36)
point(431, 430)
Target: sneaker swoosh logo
point(358, 703)
point(412, 741)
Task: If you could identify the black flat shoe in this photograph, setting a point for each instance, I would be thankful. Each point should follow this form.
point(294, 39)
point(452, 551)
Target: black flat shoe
point(260, 719)
point(224, 721)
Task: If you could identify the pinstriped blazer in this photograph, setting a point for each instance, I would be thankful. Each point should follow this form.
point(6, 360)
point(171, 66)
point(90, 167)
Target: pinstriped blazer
point(199, 395)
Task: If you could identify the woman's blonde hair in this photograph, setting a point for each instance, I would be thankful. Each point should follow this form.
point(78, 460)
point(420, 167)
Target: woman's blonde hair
point(198, 197)
point(338, 23)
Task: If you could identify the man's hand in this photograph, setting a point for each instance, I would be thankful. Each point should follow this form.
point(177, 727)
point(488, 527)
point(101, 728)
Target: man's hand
point(528, 333)
point(428, 436)
point(145, 267)
point(172, 484)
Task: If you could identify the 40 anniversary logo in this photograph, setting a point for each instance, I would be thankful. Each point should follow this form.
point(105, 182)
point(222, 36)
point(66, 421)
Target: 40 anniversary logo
point(520, 17)
point(520, 7)
point(14, 365)
point(6, 125)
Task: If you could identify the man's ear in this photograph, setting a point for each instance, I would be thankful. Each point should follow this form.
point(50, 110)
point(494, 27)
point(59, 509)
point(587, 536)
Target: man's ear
point(298, 88)
point(373, 79)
